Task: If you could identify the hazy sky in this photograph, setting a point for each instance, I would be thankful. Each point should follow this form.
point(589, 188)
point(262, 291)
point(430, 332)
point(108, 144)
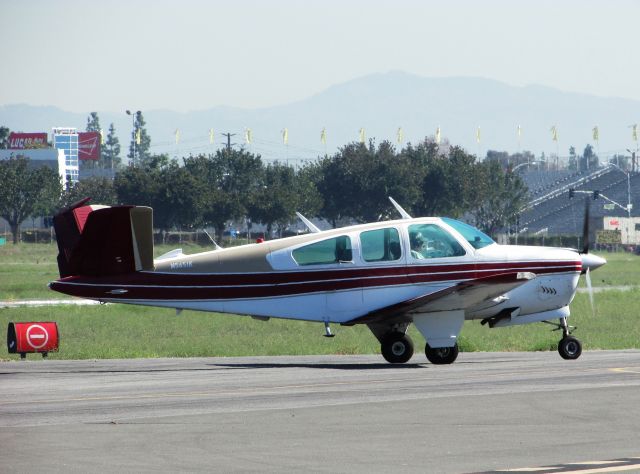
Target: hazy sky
point(188, 55)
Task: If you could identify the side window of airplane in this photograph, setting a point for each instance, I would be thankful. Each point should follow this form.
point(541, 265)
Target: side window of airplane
point(432, 241)
point(380, 245)
point(328, 251)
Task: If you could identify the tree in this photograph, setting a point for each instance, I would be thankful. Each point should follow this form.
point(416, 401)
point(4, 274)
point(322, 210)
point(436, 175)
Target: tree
point(589, 160)
point(111, 150)
point(309, 198)
point(135, 186)
point(26, 191)
point(230, 179)
point(573, 159)
point(500, 198)
point(99, 189)
point(140, 141)
point(510, 161)
point(172, 191)
point(449, 186)
point(93, 122)
point(4, 137)
point(277, 199)
point(355, 183)
point(178, 198)
point(502, 157)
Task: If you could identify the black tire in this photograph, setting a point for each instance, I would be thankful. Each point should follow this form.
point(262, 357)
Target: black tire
point(397, 348)
point(441, 355)
point(569, 348)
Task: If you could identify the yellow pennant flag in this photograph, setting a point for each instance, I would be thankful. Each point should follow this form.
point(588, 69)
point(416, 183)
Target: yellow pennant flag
point(400, 136)
point(323, 136)
point(285, 136)
point(634, 132)
point(101, 137)
point(177, 136)
point(478, 135)
point(247, 136)
point(596, 134)
point(438, 135)
point(362, 136)
point(138, 137)
point(211, 136)
point(554, 133)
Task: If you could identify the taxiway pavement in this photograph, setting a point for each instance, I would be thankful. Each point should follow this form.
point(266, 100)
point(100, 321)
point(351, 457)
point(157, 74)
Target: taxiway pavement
point(488, 411)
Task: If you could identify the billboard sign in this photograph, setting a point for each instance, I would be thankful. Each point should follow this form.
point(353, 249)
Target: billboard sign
point(27, 141)
point(89, 146)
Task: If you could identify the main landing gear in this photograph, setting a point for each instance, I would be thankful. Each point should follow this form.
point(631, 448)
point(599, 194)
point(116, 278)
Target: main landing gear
point(397, 348)
point(569, 347)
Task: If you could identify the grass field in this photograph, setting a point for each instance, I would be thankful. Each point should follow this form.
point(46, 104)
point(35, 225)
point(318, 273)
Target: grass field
point(121, 331)
point(25, 269)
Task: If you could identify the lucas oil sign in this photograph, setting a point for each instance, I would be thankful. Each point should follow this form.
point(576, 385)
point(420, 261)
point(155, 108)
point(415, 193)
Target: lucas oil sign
point(27, 141)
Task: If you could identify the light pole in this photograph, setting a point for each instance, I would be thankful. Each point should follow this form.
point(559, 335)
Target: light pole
point(133, 135)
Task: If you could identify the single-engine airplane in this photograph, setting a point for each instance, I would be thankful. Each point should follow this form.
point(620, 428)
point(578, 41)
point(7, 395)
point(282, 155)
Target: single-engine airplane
point(432, 272)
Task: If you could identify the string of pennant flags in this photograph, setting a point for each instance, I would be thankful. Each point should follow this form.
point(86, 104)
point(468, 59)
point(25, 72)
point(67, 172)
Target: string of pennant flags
point(270, 146)
point(248, 135)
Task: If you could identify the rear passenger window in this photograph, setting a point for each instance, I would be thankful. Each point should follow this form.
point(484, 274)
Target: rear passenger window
point(380, 245)
point(334, 250)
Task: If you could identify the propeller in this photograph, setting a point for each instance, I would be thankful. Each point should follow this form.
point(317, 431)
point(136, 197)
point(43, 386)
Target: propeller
point(589, 261)
point(587, 278)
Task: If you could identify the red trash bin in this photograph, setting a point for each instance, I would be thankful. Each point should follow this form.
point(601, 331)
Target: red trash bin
point(40, 337)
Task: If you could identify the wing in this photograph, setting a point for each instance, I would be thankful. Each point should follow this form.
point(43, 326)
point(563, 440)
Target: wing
point(460, 296)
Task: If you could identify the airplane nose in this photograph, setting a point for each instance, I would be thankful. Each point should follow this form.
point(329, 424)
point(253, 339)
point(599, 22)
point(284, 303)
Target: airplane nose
point(591, 262)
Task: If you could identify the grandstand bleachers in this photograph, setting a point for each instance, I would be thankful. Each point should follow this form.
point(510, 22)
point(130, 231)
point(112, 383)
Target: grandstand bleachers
point(560, 215)
point(540, 182)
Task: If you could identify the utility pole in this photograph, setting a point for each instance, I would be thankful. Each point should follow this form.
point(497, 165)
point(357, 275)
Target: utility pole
point(229, 144)
point(133, 135)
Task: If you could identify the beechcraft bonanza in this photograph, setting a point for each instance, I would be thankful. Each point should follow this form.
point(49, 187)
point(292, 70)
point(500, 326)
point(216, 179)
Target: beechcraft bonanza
point(432, 272)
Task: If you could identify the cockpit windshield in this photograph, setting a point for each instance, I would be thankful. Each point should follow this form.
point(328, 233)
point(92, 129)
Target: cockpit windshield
point(472, 235)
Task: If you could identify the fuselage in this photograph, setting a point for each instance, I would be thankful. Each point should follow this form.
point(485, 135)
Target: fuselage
point(342, 274)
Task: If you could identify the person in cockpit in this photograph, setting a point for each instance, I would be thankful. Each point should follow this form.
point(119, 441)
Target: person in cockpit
point(417, 244)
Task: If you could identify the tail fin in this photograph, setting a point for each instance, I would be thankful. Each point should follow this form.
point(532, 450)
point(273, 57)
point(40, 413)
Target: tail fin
point(102, 240)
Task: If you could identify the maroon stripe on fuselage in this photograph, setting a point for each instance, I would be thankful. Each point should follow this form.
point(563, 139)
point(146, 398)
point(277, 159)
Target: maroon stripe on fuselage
point(186, 286)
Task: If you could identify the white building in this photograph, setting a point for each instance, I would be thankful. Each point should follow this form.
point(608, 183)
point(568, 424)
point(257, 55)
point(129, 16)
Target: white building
point(50, 157)
point(66, 140)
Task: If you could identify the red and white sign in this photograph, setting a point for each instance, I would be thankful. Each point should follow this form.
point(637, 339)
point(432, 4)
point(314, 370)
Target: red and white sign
point(37, 336)
point(32, 337)
point(89, 145)
point(614, 222)
point(24, 141)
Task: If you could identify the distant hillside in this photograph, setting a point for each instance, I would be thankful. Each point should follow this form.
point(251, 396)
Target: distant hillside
point(379, 103)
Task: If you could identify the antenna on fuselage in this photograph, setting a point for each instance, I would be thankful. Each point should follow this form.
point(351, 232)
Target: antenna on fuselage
point(211, 239)
point(310, 225)
point(403, 213)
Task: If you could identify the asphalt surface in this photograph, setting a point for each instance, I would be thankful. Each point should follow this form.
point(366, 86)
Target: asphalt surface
point(488, 411)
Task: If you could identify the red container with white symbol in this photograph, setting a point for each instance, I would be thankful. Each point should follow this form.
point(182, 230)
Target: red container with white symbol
point(41, 337)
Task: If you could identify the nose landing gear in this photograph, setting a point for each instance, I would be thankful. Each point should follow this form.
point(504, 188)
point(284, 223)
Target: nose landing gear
point(569, 347)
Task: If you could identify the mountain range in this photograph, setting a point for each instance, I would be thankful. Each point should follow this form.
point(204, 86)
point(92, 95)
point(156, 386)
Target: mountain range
point(380, 104)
